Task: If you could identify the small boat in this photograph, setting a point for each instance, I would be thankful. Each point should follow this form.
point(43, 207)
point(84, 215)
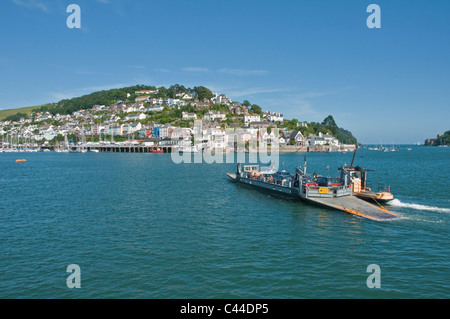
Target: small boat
point(188, 150)
point(21, 160)
point(380, 196)
point(158, 150)
point(358, 178)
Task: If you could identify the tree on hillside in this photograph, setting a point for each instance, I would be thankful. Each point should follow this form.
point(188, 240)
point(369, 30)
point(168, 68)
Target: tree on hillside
point(16, 117)
point(329, 121)
point(256, 109)
point(203, 92)
point(175, 89)
point(107, 97)
point(342, 135)
point(443, 139)
point(246, 103)
point(163, 92)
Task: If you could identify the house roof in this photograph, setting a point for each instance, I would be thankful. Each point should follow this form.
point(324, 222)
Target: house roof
point(294, 134)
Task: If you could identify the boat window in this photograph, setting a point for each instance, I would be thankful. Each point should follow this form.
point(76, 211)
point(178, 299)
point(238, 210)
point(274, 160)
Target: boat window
point(333, 180)
point(250, 168)
point(328, 181)
point(322, 181)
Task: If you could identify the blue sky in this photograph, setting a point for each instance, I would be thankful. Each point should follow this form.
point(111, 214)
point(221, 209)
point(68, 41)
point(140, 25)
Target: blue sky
point(305, 59)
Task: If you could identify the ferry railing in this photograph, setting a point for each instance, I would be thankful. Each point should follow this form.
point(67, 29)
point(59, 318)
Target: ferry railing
point(333, 191)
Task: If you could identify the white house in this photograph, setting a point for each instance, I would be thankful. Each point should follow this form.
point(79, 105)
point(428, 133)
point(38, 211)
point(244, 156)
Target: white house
point(187, 96)
point(213, 115)
point(220, 99)
point(216, 137)
point(268, 138)
point(249, 118)
point(44, 117)
point(330, 140)
point(179, 102)
point(315, 140)
point(144, 98)
point(319, 139)
point(147, 91)
point(50, 133)
point(165, 131)
point(131, 109)
point(154, 109)
point(156, 101)
point(183, 133)
point(188, 116)
point(130, 128)
point(131, 117)
point(174, 102)
point(134, 127)
point(274, 117)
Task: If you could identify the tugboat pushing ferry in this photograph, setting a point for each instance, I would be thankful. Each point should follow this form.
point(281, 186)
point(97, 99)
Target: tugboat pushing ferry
point(360, 189)
point(359, 185)
point(331, 192)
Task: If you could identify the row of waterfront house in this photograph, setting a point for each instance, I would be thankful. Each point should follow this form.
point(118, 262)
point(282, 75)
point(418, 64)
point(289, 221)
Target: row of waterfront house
point(131, 121)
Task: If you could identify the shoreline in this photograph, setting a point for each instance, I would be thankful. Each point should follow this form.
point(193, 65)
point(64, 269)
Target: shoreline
point(171, 149)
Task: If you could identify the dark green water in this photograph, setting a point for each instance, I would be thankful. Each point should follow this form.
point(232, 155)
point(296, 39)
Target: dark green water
point(140, 226)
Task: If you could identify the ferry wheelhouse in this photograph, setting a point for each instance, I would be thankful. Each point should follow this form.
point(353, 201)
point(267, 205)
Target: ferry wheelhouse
point(358, 177)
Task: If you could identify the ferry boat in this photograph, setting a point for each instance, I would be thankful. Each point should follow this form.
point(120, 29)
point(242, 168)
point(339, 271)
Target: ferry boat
point(330, 192)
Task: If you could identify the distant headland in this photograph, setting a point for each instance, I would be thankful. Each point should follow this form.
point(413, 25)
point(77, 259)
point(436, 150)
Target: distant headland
point(440, 140)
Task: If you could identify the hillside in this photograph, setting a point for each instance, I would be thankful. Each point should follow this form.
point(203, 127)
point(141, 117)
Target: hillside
point(329, 126)
point(439, 140)
point(125, 95)
point(170, 115)
point(23, 110)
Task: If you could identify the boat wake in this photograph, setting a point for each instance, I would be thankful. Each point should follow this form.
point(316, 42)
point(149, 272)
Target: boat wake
point(398, 203)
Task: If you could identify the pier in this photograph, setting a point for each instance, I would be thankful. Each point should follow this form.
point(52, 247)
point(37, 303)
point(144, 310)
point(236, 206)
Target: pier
point(101, 148)
point(131, 149)
point(155, 148)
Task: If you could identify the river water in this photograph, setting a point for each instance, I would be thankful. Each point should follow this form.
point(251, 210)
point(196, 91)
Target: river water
point(142, 226)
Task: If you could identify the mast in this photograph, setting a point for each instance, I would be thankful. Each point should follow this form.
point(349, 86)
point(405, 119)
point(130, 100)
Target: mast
point(304, 167)
point(354, 153)
point(112, 133)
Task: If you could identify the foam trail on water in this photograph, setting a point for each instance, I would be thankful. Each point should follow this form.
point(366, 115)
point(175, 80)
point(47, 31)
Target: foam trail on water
point(397, 203)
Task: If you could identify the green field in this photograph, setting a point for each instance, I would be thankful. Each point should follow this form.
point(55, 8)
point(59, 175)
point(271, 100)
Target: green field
point(27, 110)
